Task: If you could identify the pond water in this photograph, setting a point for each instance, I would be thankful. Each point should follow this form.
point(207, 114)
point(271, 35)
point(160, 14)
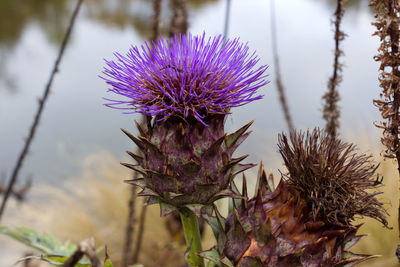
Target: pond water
point(75, 124)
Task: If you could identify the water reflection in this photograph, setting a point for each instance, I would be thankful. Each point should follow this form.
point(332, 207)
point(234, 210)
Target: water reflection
point(135, 13)
point(52, 17)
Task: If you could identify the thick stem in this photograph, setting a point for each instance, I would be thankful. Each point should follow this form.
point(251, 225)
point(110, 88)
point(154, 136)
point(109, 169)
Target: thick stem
point(192, 236)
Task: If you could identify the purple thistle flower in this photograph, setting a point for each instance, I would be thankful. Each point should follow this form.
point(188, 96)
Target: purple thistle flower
point(185, 76)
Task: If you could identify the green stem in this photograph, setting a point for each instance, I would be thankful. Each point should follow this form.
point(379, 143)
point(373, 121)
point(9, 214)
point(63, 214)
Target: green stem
point(192, 236)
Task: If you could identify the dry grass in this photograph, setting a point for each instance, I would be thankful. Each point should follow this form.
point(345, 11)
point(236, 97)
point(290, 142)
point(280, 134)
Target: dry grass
point(382, 241)
point(95, 204)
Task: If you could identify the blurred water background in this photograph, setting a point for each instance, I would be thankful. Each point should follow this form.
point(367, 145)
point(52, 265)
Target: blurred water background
point(75, 124)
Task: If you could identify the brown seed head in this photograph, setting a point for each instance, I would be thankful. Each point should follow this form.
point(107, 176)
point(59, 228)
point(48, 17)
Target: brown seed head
point(331, 178)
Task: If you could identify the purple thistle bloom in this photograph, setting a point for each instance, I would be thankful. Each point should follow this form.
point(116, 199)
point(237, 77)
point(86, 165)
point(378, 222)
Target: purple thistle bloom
point(186, 76)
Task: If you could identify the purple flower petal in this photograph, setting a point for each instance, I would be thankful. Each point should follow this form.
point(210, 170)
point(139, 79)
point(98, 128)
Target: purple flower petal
point(185, 76)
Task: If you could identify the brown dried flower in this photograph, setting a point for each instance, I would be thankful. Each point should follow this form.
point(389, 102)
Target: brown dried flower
point(387, 24)
point(331, 177)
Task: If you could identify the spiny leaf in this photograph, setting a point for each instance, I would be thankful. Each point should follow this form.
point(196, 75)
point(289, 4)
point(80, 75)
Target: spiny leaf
point(133, 167)
point(231, 139)
point(138, 158)
point(266, 184)
point(151, 147)
point(214, 148)
point(351, 259)
point(232, 163)
point(227, 262)
point(212, 256)
point(141, 131)
point(134, 139)
point(221, 220)
point(238, 168)
point(244, 192)
point(271, 184)
point(140, 182)
point(148, 192)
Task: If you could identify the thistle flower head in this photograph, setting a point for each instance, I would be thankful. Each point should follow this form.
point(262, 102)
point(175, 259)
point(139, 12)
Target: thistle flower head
point(185, 76)
point(331, 178)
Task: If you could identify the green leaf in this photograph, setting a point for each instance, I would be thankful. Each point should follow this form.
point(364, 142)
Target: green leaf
point(212, 221)
point(52, 250)
point(227, 262)
point(108, 263)
point(59, 260)
point(44, 243)
point(212, 256)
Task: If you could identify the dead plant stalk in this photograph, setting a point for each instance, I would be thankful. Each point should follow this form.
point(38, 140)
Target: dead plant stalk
point(38, 114)
point(331, 112)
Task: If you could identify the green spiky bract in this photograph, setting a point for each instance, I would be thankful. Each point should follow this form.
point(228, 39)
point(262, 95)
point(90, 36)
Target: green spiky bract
point(187, 164)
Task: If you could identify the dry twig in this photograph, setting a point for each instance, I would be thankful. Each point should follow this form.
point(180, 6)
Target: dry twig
point(281, 89)
point(127, 250)
point(155, 23)
point(18, 193)
point(139, 237)
point(85, 248)
point(178, 22)
point(331, 112)
point(38, 114)
point(387, 23)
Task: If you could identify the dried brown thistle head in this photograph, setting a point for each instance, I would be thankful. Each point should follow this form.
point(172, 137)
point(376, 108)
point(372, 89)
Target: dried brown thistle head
point(331, 178)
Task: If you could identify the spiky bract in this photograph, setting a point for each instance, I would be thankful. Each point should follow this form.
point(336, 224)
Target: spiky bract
point(331, 177)
point(185, 76)
point(274, 229)
point(186, 163)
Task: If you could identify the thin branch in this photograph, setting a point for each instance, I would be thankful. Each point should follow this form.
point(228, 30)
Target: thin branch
point(331, 112)
point(178, 22)
point(27, 260)
point(155, 23)
point(129, 230)
point(36, 120)
point(85, 248)
point(139, 237)
point(19, 193)
point(281, 89)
